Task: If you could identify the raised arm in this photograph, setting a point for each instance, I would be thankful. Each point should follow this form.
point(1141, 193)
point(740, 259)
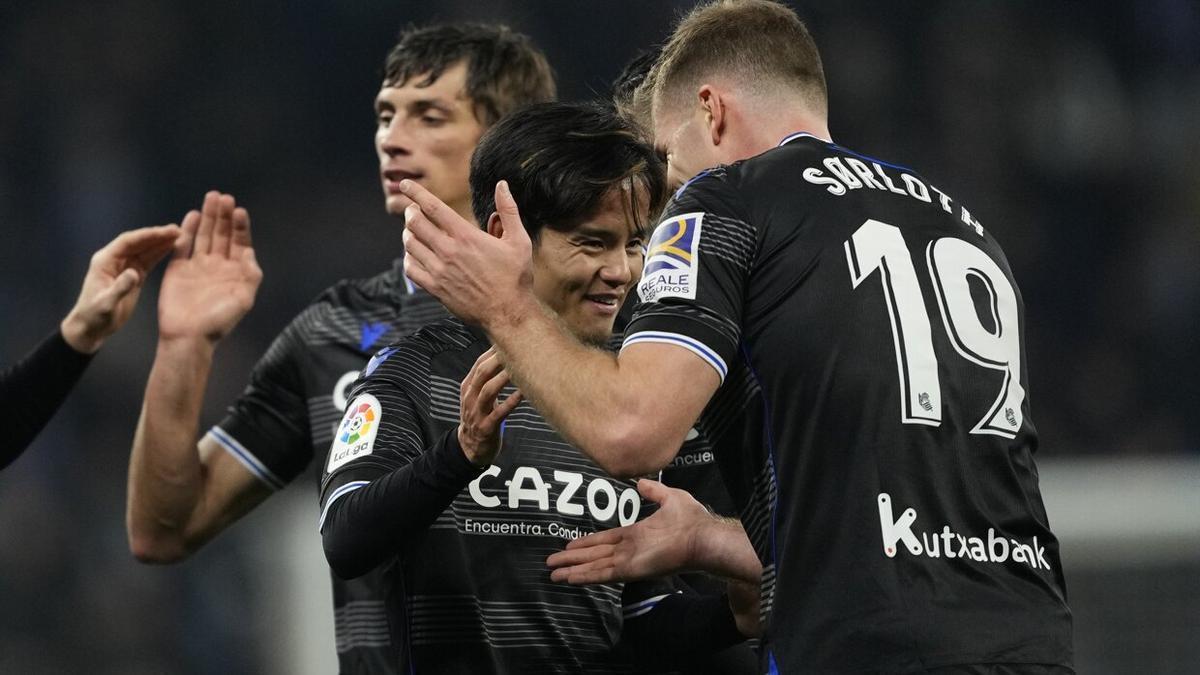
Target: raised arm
point(112, 285)
point(182, 492)
point(487, 280)
point(32, 389)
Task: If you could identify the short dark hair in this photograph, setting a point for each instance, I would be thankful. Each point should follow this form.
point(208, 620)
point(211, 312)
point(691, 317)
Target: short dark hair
point(561, 160)
point(760, 42)
point(505, 71)
point(631, 90)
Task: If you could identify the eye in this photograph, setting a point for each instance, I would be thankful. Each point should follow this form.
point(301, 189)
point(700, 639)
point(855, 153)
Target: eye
point(592, 244)
point(433, 120)
point(384, 119)
point(636, 246)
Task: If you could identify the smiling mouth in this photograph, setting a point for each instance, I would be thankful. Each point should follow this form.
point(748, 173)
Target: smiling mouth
point(606, 301)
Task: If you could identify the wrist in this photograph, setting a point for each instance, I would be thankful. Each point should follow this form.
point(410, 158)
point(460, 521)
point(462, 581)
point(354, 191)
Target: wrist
point(512, 312)
point(722, 548)
point(476, 455)
point(704, 551)
point(186, 346)
point(76, 334)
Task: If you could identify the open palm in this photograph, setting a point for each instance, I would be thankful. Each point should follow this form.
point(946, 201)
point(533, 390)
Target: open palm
point(212, 278)
point(657, 545)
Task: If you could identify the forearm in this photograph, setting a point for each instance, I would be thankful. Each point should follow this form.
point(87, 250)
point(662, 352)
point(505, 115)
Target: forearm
point(368, 525)
point(33, 389)
point(744, 603)
point(582, 391)
point(166, 475)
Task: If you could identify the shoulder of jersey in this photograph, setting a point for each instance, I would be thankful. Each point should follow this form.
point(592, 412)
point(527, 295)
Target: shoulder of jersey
point(702, 181)
point(787, 153)
point(338, 313)
point(359, 292)
point(396, 360)
point(448, 334)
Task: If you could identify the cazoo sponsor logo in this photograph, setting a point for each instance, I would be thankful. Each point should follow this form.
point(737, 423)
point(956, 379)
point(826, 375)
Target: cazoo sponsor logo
point(564, 492)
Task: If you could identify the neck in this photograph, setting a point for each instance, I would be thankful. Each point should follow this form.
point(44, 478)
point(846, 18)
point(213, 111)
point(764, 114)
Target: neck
point(767, 130)
point(764, 118)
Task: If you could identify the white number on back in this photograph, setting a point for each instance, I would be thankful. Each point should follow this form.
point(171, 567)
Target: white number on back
point(952, 263)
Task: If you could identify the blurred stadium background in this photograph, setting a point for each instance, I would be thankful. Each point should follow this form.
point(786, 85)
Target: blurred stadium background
point(1070, 127)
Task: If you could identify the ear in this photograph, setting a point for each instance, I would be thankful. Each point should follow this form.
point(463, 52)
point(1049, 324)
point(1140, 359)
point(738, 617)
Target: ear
point(715, 112)
point(494, 226)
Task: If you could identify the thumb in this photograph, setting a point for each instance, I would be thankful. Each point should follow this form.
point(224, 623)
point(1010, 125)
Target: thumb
point(510, 215)
point(653, 490)
point(125, 282)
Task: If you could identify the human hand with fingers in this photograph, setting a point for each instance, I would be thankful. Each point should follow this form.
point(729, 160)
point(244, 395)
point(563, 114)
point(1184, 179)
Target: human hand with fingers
point(479, 277)
point(112, 285)
point(680, 536)
point(212, 278)
point(482, 411)
point(666, 542)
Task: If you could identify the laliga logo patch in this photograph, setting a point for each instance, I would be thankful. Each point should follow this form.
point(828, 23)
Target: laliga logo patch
point(672, 260)
point(355, 436)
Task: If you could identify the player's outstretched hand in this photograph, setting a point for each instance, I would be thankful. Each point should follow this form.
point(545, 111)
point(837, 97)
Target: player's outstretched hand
point(112, 285)
point(212, 278)
point(478, 277)
point(482, 411)
point(661, 544)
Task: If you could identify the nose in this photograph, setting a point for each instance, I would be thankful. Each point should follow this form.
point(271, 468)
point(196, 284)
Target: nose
point(395, 139)
point(618, 268)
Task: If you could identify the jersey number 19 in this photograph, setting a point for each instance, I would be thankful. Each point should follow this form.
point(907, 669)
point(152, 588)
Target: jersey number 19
point(951, 263)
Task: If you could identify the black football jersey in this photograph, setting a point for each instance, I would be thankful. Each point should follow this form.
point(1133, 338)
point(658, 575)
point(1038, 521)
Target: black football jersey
point(293, 403)
point(472, 593)
point(873, 420)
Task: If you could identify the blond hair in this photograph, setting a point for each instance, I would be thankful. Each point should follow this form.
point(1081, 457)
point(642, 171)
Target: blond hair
point(759, 44)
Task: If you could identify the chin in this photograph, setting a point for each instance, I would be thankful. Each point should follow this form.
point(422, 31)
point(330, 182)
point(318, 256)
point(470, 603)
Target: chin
point(395, 204)
point(597, 337)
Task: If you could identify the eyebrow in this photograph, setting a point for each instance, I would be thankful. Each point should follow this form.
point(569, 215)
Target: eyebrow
point(594, 232)
point(420, 105)
point(607, 235)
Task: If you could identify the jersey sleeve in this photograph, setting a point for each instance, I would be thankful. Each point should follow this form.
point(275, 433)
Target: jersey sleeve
point(379, 432)
point(387, 477)
point(266, 428)
point(32, 389)
point(694, 280)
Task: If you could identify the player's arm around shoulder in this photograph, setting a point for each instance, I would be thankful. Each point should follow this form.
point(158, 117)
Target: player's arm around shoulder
point(684, 334)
